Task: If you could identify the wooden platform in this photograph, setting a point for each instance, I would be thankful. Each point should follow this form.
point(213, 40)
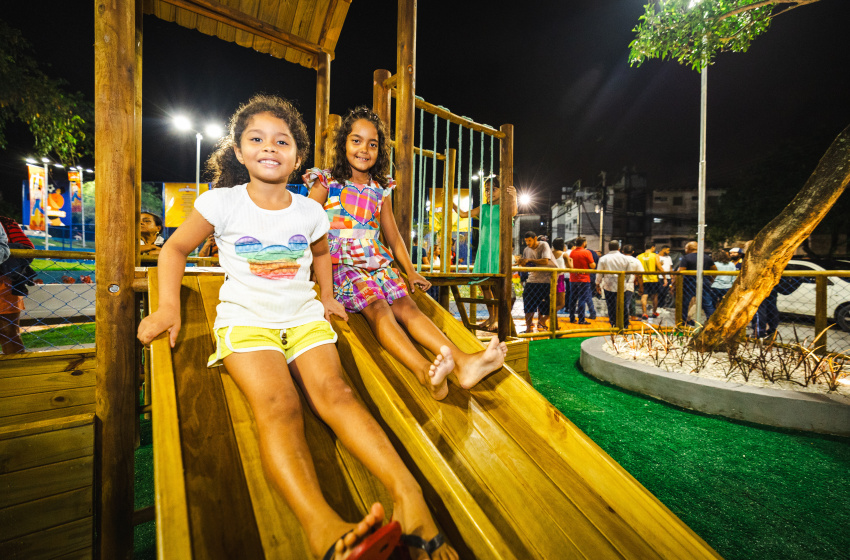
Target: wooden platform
point(506, 474)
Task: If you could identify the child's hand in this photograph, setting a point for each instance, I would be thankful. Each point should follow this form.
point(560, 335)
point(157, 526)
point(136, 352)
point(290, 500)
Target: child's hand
point(333, 307)
point(157, 323)
point(418, 281)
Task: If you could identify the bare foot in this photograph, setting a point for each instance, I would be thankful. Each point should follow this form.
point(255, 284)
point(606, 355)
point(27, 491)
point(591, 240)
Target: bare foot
point(412, 514)
point(352, 534)
point(476, 367)
point(442, 366)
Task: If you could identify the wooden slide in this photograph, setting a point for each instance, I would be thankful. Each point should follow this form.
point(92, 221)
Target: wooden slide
point(506, 474)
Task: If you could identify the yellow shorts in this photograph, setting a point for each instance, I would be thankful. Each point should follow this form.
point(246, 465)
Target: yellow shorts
point(291, 342)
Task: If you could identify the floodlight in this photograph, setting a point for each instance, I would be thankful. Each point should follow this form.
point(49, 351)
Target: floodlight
point(213, 131)
point(182, 123)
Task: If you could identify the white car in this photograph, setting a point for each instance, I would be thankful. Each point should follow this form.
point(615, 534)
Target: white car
point(801, 301)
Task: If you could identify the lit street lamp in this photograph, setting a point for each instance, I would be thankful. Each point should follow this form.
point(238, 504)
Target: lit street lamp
point(211, 130)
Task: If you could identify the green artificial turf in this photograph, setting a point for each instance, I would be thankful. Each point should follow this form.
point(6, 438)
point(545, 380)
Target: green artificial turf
point(751, 492)
point(144, 535)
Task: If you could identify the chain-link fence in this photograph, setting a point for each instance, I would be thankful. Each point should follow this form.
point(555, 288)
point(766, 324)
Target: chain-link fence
point(812, 299)
point(48, 302)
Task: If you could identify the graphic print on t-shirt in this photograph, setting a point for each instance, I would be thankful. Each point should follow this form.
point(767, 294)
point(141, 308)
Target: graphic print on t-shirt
point(360, 205)
point(275, 261)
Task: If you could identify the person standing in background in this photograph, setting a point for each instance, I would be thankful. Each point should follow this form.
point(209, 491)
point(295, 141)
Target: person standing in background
point(722, 284)
point(615, 260)
point(651, 262)
point(536, 294)
point(562, 259)
point(580, 281)
point(666, 265)
point(15, 273)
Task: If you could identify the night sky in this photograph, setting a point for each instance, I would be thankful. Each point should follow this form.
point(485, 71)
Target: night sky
point(558, 73)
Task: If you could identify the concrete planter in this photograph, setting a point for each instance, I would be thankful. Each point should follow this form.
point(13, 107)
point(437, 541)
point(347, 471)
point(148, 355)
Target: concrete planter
point(811, 412)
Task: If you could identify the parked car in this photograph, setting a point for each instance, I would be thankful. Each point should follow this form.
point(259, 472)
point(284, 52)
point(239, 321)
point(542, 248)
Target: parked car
point(799, 297)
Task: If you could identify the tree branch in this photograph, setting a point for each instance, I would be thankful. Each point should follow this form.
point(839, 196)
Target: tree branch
point(756, 5)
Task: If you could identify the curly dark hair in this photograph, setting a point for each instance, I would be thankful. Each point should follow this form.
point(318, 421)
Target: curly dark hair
point(223, 167)
point(340, 168)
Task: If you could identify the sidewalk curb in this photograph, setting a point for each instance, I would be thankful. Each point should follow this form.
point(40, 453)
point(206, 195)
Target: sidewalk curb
point(811, 412)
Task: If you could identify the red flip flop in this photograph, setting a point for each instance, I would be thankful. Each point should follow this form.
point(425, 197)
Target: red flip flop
point(376, 546)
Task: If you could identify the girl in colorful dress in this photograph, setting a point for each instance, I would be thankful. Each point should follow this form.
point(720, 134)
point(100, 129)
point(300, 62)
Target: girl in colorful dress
point(272, 333)
point(356, 196)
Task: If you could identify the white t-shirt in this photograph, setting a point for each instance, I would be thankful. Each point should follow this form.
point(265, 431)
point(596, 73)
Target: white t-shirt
point(267, 257)
point(666, 264)
point(615, 260)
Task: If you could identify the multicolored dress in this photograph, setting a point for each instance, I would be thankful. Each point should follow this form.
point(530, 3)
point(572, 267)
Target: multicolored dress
point(362, 264)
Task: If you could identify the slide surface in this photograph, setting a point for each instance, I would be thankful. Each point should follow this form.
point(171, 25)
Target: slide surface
point(506, 474)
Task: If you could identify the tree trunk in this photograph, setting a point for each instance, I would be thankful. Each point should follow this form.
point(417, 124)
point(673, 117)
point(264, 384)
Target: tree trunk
point(774, 245)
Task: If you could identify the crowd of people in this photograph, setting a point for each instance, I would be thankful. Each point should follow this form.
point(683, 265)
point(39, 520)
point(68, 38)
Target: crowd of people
point(648, 290)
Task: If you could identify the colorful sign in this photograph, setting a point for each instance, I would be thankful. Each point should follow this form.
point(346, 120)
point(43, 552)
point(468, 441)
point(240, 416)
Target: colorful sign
point(179, 199)
point(35, 215)
point(75, 181)
point(58, 205)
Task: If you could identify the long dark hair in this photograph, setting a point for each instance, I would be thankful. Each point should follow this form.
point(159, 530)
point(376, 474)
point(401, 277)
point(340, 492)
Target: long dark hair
point(341, 169)
point(223, 167)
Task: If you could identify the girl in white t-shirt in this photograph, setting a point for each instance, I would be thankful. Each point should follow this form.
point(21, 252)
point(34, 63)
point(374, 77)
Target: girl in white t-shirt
point(272, 332)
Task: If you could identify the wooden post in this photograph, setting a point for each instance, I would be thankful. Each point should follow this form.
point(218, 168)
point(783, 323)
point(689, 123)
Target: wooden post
point(323, 102)
point(444, 297)
point(506, 178)
point(820, 313)
point(553, 302)
point(405, 117)
point(680, 280)
point(138, 126)
point(117, 243)
point(382, 97)
point(473, 307)
point(621, 300)
point(333, 124)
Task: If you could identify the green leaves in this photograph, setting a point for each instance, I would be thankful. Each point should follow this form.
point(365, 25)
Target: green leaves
point(57, 119)
point(692, 32)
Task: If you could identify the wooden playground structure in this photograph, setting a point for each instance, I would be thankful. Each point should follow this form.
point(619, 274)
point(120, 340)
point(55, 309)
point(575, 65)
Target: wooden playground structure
point(506, 474)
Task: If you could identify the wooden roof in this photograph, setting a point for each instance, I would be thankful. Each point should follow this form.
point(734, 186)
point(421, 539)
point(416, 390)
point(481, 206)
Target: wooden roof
point(295, 30)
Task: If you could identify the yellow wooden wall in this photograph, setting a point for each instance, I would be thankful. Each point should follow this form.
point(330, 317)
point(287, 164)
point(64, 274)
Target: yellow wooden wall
point(47, 454)
point(46, 474)
point(45, 385)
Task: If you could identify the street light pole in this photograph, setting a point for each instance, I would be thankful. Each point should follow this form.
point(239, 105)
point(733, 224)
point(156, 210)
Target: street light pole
point(701, 195)
point(44, 207)
point(198, 137)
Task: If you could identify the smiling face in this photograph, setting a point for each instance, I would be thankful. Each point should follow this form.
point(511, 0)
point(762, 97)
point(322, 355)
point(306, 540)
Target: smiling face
point(361, 149)
point(268, 150)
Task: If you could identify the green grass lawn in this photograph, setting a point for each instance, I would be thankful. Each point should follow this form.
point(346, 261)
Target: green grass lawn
point(66, 335)
point(49, 264)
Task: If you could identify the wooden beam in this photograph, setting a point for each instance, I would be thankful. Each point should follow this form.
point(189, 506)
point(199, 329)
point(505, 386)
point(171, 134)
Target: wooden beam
point(326, 25)
point(115, 159)
point(506, 178)
point(382, 97)
point(323, 103)
point(230, 16)
point(405, 118)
